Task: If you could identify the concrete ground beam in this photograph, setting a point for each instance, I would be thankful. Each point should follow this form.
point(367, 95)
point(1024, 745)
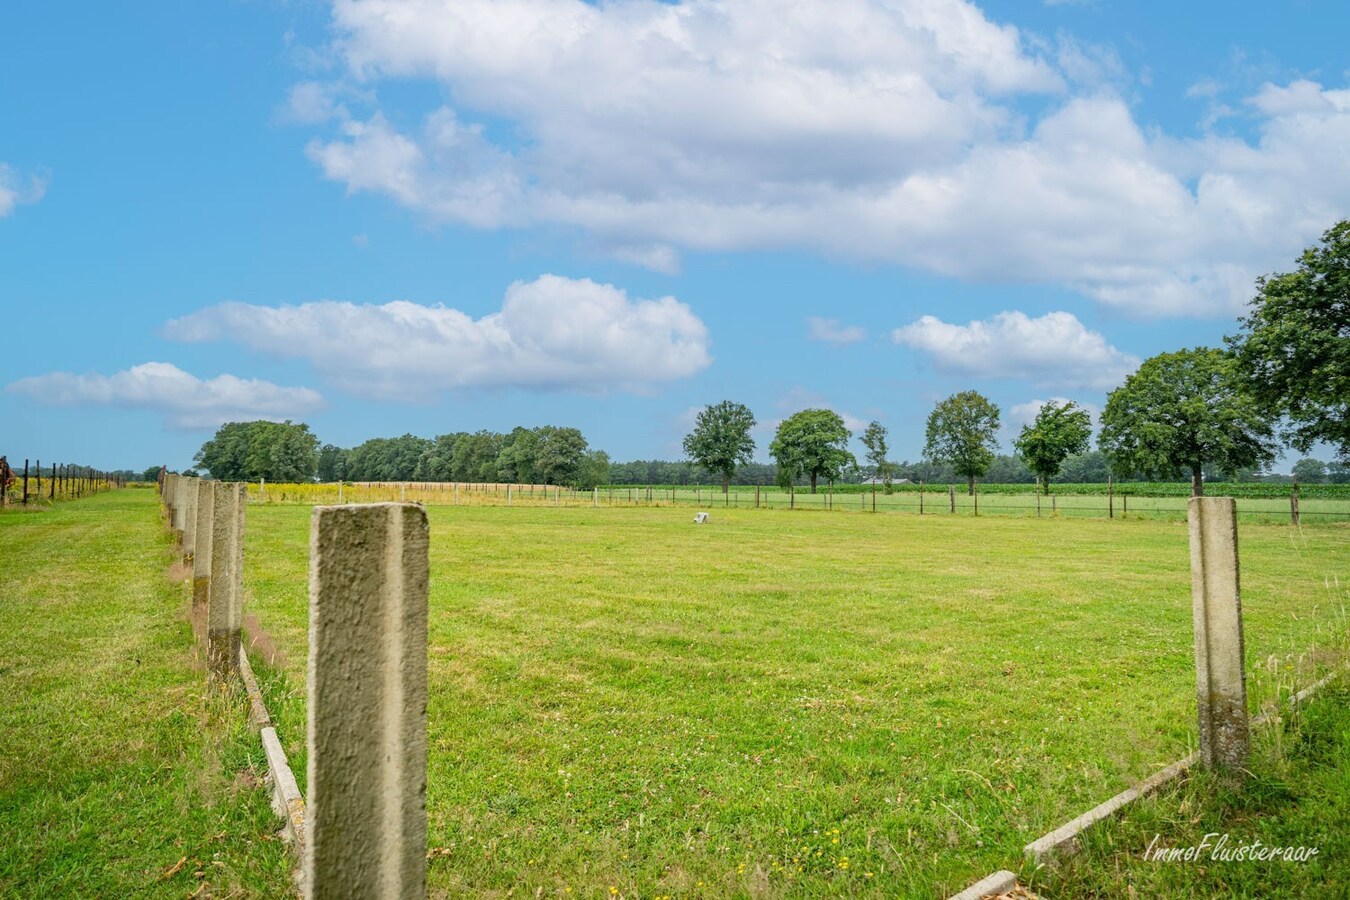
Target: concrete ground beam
point(201, 557)
point(366, 828)
point(224, 608)
point(1221, 690)
point(1000, 882)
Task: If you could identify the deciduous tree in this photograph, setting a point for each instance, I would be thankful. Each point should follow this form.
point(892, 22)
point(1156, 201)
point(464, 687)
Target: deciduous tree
point(1294, 350)
point(1058, 431)
point(721, 439)
point(874, 439)
point(813, 443)
point(1181, 411)
point(962, 431)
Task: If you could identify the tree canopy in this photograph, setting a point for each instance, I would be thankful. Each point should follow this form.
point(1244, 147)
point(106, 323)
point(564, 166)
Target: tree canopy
point(1059, 431)
point(247, 451)
point(1181, 411)
point(812, 443)
point(963, 432)
point(721, 439)
point(1294, 350)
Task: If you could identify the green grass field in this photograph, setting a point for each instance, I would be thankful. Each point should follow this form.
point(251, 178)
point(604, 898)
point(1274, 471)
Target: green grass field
point(119, 776)
point(1256, 505)
point(787, 704)
point(777, 704)
point(1298, 796)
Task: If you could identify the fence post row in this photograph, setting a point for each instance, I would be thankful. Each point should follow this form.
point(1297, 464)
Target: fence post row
point(367, 736)
point(1221, 689)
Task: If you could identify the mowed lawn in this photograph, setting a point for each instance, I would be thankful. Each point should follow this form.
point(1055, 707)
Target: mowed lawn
point(788, 704)
point(119, 775)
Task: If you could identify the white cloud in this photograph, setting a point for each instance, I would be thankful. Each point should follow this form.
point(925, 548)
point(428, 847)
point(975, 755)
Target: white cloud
point(831, 332)
point(185, 400)
point(798, 399)
point(877, 131)
point(1054, 349)
point(552, 333)
point(16, 189)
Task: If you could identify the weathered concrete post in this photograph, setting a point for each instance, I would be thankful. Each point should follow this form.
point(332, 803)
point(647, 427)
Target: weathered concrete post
point(189, 518)
point(201, 558)
point(1220, 675)
point(224, 610)
point(367, 815)
point(180, 484)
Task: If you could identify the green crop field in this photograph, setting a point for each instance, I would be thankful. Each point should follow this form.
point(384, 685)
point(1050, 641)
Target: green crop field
point(794, 704)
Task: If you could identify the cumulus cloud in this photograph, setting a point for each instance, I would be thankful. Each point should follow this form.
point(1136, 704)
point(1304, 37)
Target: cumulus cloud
point(185, 400)
point(16, 189)
point(551, 333)
point(800, 398)
point(888, 132)
point(1053, 349)
point(831, 332)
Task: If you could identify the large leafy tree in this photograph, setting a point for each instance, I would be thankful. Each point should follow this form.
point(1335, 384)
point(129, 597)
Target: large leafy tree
point(721, 439)
point(560, 455)
point(247, 451)
point(1294, 351)
point(1181, 411)
point(332, 463)
point(1058, 431)
point(874, 439)
point(387, 459)
point(1310, 471)
point(812, 443)
point(963, 432)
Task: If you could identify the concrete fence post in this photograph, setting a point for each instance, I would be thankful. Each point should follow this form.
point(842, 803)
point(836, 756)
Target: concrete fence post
point(179, 508)
point(367, 781)
point(224, 613)
point(201, 557)
point(1221, 688)
point(189, 518)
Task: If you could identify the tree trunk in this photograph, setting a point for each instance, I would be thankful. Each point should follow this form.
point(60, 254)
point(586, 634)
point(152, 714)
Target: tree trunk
point(1197, 482)
point(726, 480)
point(970, 485)
point(813, 482)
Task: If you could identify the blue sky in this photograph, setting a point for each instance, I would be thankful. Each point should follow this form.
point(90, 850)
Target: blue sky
point(388, 217)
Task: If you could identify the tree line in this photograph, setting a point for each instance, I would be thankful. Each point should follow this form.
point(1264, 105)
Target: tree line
point(1192, 413)
point(290, 452)
point(1183, 413)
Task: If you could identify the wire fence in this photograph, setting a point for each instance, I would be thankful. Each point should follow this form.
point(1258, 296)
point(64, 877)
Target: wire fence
point(33, 486)
point(939, 501)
